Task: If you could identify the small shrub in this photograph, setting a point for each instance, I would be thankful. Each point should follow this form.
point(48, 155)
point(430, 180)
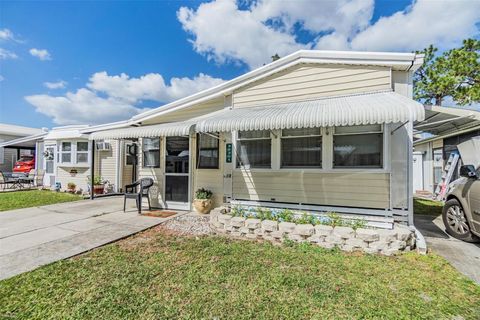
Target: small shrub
point(203, 194)
point(71, 185)
point(285, 215)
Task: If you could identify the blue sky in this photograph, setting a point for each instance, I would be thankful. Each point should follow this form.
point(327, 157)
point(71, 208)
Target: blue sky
point(94, 62)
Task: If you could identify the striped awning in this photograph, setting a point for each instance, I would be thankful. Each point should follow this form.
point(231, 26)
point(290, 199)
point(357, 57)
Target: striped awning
point(358, 109)
point(157, 130)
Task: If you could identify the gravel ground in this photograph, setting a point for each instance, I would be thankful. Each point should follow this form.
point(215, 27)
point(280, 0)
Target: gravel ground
point(190, 224)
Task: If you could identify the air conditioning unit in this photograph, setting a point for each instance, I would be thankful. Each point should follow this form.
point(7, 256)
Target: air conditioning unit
point(103, 146)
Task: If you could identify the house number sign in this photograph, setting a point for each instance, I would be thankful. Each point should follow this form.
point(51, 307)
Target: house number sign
point(228, 157)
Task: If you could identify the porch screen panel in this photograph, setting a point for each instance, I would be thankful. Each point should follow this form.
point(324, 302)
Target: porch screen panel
point(254, 149)
point(151, 152)
point(207, 152)
point(301, 148)
point(358, 147)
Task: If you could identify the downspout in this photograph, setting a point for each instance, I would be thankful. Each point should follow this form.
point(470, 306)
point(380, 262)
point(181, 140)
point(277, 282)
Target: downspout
point(92, 170)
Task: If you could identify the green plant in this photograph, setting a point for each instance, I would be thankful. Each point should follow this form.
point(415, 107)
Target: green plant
point(71, 185)
point(203, 194)
point(237, 211)
point(335, 220)
point(286, 215)
point(306, 218)
point(264, 213)
point(358, 224)
point(97, 180)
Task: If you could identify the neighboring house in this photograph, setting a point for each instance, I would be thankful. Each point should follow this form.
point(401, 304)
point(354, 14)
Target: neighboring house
point(65, 153)
point(448, 127)
point(316, 130)
point(10, 154)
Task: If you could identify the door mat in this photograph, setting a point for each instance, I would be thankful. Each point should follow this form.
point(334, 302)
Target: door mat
point(160, 213)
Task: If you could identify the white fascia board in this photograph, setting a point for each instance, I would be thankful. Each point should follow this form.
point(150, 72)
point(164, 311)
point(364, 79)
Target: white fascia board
point(107, 126)
point(454, 111)
point(398, 61)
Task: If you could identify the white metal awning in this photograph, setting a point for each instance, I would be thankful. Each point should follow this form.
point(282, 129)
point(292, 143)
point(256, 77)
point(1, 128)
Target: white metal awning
point(357, 109)
point(157, 130)
point(441, 120)
point(28, 141)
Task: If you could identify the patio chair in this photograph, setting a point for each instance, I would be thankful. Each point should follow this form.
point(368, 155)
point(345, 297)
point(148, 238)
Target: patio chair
point(28, 180)
point(4, 181)
point(38, 179)
point(138, 190)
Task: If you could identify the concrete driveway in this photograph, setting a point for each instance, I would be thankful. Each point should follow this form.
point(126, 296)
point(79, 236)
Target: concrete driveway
point(464, 256)
point(33, 237)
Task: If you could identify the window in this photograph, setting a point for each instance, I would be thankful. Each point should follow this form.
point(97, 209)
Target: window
point(151, 152)
point(254, 149)
point(66, 152)
point(207, 152)
point(72, 152)
point(129, 158)
point(301, 148)
point(358, 147)
point(82, 152)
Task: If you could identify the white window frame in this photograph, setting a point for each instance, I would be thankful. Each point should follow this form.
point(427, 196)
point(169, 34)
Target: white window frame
point(273, 150)
point(383, 155)
point(73, 154)
point(282, 137)
point(327, 154)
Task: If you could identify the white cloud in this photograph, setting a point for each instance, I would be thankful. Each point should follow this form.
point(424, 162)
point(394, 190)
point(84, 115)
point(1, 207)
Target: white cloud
point(6, 54)
point(149, 87)
point(112, 98)
point(6, 35)
point(222, 31)
point(55, 85)
point(82, 107)
point(41, 54)
point(1, 78)
point(442, 23)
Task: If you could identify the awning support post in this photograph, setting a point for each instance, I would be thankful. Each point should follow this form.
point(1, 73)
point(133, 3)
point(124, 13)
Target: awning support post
point(92, 170)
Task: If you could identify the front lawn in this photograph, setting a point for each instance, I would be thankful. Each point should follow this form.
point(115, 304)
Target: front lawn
point(156, 275)
point(427, 207)
point(33, 198)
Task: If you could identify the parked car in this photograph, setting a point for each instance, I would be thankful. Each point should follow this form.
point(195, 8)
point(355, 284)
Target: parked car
point(461, 212)
point(24, 164)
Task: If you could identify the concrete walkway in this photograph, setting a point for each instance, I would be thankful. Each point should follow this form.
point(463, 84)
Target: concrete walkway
point(33, 237)
point(464, 256)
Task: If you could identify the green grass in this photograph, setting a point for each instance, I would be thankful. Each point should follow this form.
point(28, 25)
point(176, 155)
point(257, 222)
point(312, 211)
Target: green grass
point(158, 276)
point(427, 207)
point(33, 198)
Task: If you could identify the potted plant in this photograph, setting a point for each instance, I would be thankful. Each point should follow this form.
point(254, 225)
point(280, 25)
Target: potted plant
point(203, 201)
point(98, 185)
point(71, 187)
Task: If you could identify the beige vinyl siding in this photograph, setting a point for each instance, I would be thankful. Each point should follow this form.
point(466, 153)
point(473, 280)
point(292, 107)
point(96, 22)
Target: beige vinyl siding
point(211, 179)
point(188, 113)
point(306, 82)
point(365, 190)
point(80, 178)
point(105, 162)
point(438, 144)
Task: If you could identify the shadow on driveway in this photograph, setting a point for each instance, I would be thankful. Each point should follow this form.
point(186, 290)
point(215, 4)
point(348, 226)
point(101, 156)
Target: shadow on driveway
point(464, 256)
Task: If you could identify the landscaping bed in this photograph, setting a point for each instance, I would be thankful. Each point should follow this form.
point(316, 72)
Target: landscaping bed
point(327, 232)
point(159, 274)
point(33, 198)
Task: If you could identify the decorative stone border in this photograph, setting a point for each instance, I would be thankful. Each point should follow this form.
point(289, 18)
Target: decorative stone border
point(373, 241)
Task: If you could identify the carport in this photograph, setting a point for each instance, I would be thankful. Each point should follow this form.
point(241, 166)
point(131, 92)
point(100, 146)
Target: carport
point(437, 138)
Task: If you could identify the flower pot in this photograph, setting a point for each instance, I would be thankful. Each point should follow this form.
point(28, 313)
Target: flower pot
point(98, 189)
point(71, 190)
point(202, 205)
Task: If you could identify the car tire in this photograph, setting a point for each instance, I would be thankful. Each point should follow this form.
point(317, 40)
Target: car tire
point(456, 223)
